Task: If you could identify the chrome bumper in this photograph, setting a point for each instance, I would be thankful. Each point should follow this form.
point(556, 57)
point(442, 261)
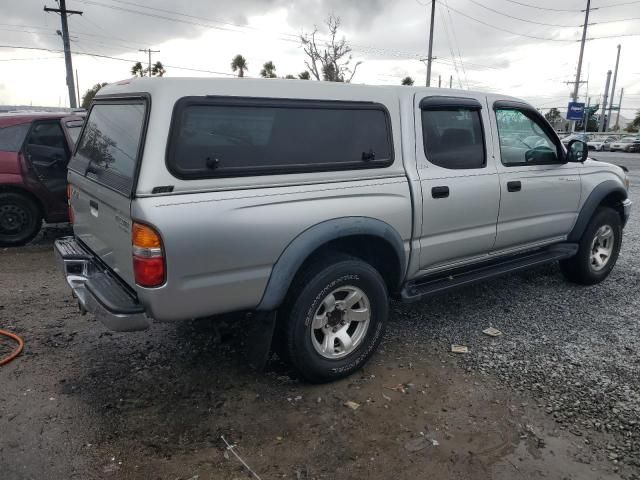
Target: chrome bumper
point(97, 290)
point(626, 205)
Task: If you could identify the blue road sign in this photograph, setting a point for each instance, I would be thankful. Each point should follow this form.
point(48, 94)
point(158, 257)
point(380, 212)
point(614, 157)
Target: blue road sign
point(575, 111)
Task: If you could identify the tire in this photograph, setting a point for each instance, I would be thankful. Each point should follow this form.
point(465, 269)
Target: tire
point(20, 219)
point(320, 354)
point(604, 233)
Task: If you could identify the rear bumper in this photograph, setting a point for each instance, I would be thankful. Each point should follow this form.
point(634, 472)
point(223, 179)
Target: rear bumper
point(97, 289)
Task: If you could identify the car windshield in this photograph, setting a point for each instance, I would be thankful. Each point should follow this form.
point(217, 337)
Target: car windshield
point(628, 140)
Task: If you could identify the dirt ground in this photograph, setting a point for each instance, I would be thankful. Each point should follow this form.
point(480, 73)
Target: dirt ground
point(85, 403)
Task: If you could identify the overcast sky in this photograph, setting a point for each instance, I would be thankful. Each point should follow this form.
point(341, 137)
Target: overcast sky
point(472, 43)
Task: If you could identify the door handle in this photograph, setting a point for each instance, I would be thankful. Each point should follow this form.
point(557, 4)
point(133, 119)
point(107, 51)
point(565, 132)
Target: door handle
point(93, 208)
point(515, 186)
point(440, 192)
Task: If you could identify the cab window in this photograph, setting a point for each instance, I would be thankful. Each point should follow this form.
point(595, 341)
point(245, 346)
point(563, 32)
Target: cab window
point(453, 137)
point(523, 139)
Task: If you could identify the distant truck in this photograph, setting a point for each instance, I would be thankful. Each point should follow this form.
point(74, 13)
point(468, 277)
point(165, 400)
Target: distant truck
point(34, 151)
point(311, 203)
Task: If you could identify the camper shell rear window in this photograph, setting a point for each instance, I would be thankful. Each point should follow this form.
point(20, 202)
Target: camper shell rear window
point(232, 136)
point(110, 145)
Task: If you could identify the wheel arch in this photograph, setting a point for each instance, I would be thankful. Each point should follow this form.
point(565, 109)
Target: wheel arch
point(369, 239)
point(608, 193)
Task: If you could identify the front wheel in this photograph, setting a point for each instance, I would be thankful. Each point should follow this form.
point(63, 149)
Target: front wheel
point(335, 318)
point(20, 219)
point(598, 249)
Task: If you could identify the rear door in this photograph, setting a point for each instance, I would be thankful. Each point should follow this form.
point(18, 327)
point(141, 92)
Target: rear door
point(540, 190)
point(102, 176)
point(47, 155)
point(460, 188)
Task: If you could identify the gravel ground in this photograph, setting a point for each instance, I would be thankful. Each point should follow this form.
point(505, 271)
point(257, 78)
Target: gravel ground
point(556, 396)
point(575, 349)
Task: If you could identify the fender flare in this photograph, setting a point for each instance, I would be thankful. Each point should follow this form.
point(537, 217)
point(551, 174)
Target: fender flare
point(592, 202)
point(314, 237)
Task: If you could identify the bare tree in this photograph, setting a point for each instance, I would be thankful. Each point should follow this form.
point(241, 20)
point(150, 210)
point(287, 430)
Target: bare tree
point(330, 59)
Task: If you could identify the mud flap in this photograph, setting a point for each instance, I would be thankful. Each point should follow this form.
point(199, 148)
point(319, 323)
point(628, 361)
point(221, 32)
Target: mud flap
point(259, 338)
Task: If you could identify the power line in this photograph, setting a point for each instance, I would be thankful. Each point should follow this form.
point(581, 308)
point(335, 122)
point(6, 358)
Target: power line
point(98, 55)
point(522, 19)
point(457, 45)
point(538, 7)
point(617, 5)
point(507, 31)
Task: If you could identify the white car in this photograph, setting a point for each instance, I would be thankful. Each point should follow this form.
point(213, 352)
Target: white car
point(600, 145)
point(626, 144)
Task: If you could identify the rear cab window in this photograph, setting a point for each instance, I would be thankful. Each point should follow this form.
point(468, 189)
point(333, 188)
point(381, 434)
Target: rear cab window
point(226, 137)
point(109, 147)
point(452, 133)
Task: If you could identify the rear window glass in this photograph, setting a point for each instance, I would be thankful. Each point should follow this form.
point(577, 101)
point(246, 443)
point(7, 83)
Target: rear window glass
point(453, 138)
point(12, 137)
point(213, 138)
point(110, 142)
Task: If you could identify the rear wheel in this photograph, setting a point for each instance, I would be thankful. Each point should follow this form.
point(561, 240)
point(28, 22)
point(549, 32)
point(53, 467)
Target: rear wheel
point(598, 249)
point(334, 318)
point(20, 219)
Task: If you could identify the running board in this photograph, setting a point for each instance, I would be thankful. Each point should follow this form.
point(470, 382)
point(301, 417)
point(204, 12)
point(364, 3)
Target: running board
point(440, 282)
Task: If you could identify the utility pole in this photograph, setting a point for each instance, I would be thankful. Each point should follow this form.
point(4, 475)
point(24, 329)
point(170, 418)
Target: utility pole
point(619, 107)
point(585, 117)
point(450, 81)
point(439, 81)
point(77, 87)
point(64, 13)
point(579, 71)
point(613, 89)
point(602, 126)
point(149, 51)
point(430, 55)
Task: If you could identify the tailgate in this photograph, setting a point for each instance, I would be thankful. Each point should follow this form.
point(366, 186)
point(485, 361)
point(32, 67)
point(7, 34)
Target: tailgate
point(102, 177)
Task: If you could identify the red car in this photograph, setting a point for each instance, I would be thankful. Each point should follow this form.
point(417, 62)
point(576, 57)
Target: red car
point(34, 151)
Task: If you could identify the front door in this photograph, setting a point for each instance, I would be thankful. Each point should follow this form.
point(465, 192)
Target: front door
point(47, 155)
point(540, 191)
point(459, 182)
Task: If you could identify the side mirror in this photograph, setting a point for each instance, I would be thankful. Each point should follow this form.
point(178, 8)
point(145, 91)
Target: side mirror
point(577, 151)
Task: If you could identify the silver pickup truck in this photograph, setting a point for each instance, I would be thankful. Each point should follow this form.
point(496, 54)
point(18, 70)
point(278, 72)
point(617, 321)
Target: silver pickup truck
point(309, 204)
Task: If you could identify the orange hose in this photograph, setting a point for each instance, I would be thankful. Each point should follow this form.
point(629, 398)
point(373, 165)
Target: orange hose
point(16, 352)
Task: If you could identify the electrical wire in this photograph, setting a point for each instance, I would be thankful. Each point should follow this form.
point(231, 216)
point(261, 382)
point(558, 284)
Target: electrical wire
point(457, 45)
point(98, 55)
point(548, 39)
point(522, 19)
point(538, 7)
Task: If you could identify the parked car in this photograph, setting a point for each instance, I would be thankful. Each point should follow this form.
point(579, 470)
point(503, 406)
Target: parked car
point(601, 144)
point(583, 137)
point(626, 144)
point(34, 151)
point(310, 203)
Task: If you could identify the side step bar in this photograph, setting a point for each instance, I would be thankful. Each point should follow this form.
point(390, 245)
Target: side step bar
point(442, 281)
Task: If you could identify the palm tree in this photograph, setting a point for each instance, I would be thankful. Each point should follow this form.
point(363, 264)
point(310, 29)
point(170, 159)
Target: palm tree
point(304, 75)
point(268, 70)
point(138, 70)
point(407, 81)
point(158, 69)
point(239, 64)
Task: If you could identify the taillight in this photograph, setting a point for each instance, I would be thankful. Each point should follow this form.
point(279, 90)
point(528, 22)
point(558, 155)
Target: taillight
point(69, 207)
point(148, 256)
